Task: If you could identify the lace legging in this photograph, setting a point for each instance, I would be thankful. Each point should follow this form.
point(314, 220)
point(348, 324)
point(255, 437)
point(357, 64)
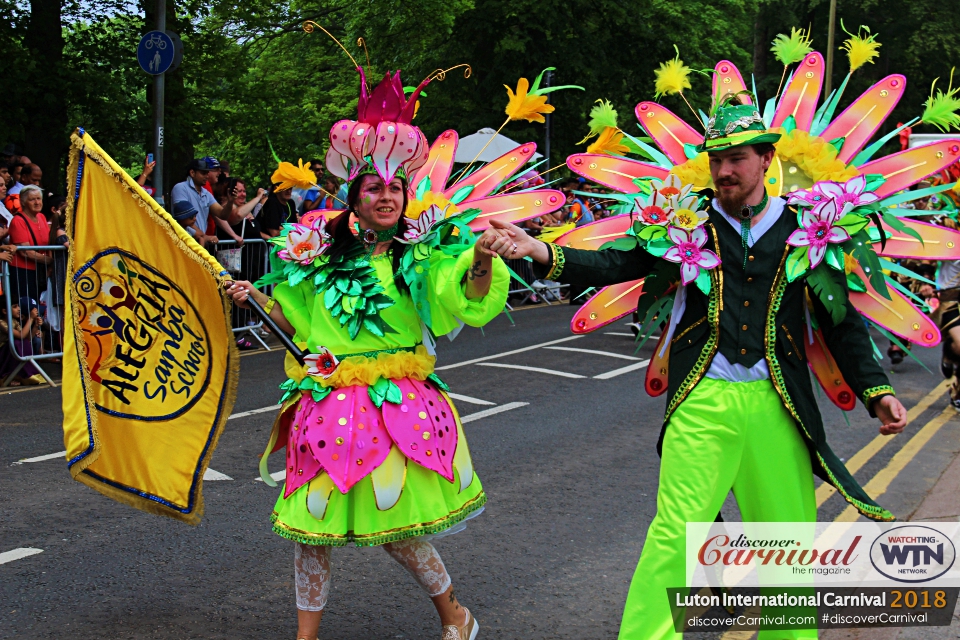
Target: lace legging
point(312, 570)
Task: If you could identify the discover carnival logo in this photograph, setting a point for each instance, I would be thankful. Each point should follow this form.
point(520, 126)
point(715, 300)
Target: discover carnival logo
point(912, 554)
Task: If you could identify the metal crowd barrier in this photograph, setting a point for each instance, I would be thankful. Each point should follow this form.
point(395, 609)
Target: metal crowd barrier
point(254, 263)
point(39, 287)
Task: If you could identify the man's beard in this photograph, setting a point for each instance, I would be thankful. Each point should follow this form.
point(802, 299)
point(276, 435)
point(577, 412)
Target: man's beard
point(733, 202)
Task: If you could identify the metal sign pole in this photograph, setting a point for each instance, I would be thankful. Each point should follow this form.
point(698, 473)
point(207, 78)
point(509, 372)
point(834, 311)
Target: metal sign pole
point(546, 127)
point(158, 90)
point(831, 31)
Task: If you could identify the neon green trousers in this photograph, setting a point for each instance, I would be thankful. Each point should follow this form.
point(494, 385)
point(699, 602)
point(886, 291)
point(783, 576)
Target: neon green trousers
point(725, 435)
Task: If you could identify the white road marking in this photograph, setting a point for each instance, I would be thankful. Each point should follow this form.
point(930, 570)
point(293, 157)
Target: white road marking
point(462, 398)
point(522, 367)
point(17, 554)
point(252, 412)
point(492, 411)
point(276, 475)
point(595, 352)
point(50, 456)
point(622, 370)
point(617, 333)
point(210, 474)
point(506, 353)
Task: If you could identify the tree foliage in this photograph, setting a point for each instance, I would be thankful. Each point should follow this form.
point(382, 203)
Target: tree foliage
point(252, 78)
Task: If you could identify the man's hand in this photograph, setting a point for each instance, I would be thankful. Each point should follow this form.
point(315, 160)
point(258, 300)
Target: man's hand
point(512, 243)
point(892, 415)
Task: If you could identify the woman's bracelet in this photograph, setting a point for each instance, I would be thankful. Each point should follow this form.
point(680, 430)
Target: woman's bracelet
point(269, 306)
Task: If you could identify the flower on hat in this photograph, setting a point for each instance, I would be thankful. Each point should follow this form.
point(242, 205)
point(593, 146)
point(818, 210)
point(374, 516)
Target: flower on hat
point(305, 243)
point(688, 251)
point(817, 230)
point(322, 364)
point(290, 176)
point(849, 195)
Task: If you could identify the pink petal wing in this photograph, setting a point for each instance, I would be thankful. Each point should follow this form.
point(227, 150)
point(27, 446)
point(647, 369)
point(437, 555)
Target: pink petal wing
point(423, 427)
point(302, 467)
point(344, 433)
point(708, 259)
point(390, 147)
point(439, 162)
point(678, 235)
point(808, 217)
point(802, 195)
point(688, 272)
point(349, 138)
point(338, 164)
point(816, 253)
point(799, 98)
point(826, 210)
point(867, 197)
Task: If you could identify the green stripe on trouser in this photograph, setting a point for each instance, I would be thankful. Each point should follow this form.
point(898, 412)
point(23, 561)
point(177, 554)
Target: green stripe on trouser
point(725, 435)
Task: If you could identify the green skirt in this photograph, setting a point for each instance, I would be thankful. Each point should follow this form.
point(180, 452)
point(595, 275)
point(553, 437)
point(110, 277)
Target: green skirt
point(428, 504)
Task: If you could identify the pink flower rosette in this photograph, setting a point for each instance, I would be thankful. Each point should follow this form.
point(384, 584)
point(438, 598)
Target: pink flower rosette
point(818, 229)
point(688, 252)
point(848, 196)
point(305, 243)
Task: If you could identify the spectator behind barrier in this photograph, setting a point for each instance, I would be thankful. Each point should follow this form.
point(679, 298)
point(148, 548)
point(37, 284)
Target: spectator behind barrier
point(28, 274)
point(192, 190)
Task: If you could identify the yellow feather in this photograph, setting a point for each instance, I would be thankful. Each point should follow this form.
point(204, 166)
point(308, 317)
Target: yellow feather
point(860, 50)
point(609, 142)
point(672, 77)
point(525, 106)
point(290, 176)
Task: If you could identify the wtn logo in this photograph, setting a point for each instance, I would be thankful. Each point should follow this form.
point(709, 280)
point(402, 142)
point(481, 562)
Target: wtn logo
point(896, 554)
point(912, 553)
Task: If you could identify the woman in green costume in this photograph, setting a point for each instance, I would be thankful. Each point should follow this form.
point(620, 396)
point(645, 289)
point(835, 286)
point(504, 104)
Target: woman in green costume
point(375, 451)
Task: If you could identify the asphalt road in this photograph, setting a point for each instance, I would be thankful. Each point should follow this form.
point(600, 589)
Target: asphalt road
point(568, 463)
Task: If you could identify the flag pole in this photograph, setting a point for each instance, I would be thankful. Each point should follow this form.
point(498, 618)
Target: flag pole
point(277, 331)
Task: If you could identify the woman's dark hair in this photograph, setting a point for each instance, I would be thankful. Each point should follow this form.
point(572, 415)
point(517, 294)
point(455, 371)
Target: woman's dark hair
point(343, 237)
point(57, 221)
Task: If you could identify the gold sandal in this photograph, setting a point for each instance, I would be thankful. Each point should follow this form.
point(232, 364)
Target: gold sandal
point(468, 631)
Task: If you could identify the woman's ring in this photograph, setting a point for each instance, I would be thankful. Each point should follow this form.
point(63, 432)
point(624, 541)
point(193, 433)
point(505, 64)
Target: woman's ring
point(514, 248)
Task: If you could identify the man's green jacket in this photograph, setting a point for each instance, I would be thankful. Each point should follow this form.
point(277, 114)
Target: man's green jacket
point(752, 312)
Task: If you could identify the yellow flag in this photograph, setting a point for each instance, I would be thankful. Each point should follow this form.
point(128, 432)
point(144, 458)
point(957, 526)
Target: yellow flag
point(149, 364)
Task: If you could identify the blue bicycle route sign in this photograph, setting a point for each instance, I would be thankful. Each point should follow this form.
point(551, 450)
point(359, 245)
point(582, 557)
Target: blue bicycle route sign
point(156, 52)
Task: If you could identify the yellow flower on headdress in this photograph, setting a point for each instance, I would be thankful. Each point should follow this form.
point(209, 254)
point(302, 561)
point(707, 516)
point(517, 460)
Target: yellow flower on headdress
point(609, 142)
point(290, 176)
point(415, 207)
point(530, 103)
point(860, 49)
point(672, 77)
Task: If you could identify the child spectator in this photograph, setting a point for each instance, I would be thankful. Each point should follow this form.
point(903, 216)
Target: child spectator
point(23, 326)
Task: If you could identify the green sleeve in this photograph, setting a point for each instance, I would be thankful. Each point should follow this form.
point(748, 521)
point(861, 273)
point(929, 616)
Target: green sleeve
point(587, 268)
point(296, 303)
point(849, 342)
point(448, 301)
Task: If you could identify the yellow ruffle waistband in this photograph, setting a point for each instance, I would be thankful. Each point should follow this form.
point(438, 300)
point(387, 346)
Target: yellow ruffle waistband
point(366, 370)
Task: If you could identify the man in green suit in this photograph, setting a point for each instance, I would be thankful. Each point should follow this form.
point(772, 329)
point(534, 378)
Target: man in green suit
point(741, 409)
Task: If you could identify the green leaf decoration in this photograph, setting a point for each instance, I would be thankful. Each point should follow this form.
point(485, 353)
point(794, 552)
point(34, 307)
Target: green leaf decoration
point(378, 391)
point(837, 143)
point(620, 244)
point(855, 283)
point(703, 281)
point(652, 232)
point(852, 223)
point(462, 193)
point(798, 263)
point(658, 246)
point(874, 181)
point(437, 381)
point(834, 257)
point(860, 248)
point(423, 187)
point(830, 293)
point(393, 395)
point(897, 225)
point(655, 286)
point(789, 124)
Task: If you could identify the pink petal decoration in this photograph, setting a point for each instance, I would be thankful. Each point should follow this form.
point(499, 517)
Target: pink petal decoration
point(423, 427)
point(800, 97)
point(863, 117)
point(390, 146)
point(439, 163)
point(343, 433)
point(667, 129)
point(727, 79)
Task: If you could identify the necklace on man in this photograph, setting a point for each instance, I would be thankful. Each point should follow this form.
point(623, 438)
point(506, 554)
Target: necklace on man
point(747, 213)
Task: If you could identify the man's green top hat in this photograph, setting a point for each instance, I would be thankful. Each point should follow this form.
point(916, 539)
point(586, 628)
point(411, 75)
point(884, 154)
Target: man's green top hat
point(735, 125)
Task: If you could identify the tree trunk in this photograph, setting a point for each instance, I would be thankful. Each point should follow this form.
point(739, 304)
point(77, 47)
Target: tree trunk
point(46, 139)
